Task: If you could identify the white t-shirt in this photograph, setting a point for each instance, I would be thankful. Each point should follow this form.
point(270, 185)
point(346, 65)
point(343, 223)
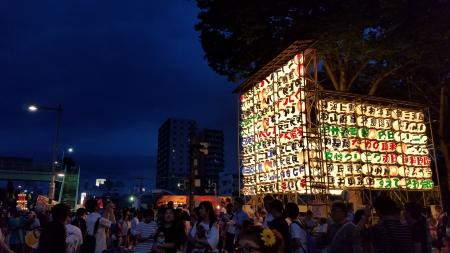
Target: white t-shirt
point(211, 234)
point(298, 233)
point(74, 238)
point(145, 230)
point(134, 223)
point(100, 236)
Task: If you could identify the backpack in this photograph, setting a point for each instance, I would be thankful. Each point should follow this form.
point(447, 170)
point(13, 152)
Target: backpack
point(90, 241)
point(310, 246)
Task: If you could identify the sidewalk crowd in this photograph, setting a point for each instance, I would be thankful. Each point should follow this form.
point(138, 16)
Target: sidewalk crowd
point(384, 227)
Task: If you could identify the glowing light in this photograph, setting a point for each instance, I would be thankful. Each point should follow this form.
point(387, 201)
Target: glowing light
point(32, 108)
point(83, 197)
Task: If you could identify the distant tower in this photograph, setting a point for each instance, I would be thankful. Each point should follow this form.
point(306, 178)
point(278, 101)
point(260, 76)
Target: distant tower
point(173, 158)
point(212, 163)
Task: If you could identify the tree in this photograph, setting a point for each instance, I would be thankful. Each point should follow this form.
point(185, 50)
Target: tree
point(396, 48)
point(362, 44)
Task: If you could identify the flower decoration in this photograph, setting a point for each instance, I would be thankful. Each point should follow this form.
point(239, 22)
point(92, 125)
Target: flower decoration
point(268, 237)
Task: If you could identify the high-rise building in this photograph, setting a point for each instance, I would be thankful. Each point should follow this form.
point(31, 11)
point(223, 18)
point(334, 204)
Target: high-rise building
point(211, 163)
point(176, 138)
point(173, 158)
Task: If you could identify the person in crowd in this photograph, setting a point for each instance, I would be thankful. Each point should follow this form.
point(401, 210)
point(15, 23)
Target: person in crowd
point(96, 225)
point(322, 226)
point(320, 235)
point(33, 221)
point(222, 221)
point(442, 223)
point(267, 205)
point(342, 236)
point(259, 216)
point(432, 227)
point(194, 216)
point(80, 220)
point(124, 227)
point(204, 235)
point(137, 217)
point(259, 239)
point(350, 212)
point(171, 205)
point(41, 215)
point(222, 209)
point(389, 234)
point(3, 245)
point(53, 234)
point(170, 234)
point(357, 217)
point(74, 237)
point(15, 228)
point(186, 219)
point(229, 230)
point(297, 234)
point(145, 232)
point(279, 223)
point(309, 221)
point(418, 226)
point(236, 223)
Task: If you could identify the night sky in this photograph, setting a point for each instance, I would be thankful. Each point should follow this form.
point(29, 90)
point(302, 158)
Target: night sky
point(119, 68)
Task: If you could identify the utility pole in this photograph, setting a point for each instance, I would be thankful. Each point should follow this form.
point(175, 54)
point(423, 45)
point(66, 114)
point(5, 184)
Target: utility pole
point(193, 169)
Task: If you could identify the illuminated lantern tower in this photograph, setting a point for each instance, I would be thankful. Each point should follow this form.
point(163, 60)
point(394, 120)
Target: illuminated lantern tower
point(297, 140)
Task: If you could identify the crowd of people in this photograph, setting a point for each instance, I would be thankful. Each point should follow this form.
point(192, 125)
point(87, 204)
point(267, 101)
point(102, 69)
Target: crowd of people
point(275, 228)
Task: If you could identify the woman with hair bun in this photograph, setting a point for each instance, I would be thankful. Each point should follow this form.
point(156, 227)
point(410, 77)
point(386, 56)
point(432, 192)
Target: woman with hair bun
point(255, 239)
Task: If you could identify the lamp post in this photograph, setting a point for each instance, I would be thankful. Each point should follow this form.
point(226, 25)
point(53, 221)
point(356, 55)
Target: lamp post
point(63, 175)
point(58, 110)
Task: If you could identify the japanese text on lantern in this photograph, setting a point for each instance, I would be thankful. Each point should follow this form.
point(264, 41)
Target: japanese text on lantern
point(271, 128)
point(374, 146)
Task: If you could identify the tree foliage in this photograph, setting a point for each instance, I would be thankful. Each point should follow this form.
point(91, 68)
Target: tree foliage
point(362, 45)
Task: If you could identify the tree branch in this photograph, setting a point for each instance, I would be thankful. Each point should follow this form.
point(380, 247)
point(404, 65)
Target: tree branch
point(331, 75)
point(430, 103)
point(376, 82)
point(341, 72)
point(355, 76)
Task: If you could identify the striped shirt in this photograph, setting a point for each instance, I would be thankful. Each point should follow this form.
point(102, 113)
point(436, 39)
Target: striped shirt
point(389, 236)
point(146, 231)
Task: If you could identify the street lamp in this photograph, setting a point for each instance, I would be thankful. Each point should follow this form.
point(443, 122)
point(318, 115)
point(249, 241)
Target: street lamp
point(69, 150)
point(32, 108)
point(58, 110)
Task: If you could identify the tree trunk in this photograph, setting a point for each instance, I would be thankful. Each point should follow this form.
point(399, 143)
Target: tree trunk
point(442, 142)
point(331, 75)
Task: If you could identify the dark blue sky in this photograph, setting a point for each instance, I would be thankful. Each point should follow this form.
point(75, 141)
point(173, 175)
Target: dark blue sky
point(120, 68)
